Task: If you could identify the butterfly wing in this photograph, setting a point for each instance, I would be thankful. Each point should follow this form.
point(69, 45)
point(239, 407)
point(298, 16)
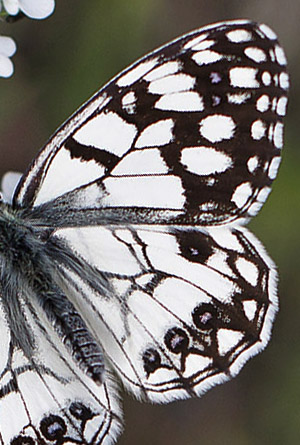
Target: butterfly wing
point(9, 183)
point(183, 308)
point(187, 138)
point(190, 134)
point(46, 398)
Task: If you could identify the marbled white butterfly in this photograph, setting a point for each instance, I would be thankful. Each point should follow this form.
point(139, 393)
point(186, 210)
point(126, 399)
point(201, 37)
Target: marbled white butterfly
point(123, 249)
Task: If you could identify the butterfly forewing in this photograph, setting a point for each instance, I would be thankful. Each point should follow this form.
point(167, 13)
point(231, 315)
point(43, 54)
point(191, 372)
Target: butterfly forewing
point(192, 133)
point(135, 211)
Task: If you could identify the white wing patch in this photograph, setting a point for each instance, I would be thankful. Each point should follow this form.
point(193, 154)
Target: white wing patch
point(242, 77)
point(206, 57)
point(106, 131)
point(256, 54)
point(141, 162)
point(164, 70)
point(263, 103)
point(172, 84)
point(136, 73)
point(205, 160)
point(216, 128)
point(258, 129)
point(159, 133)
point(9, 184)
point(274, 165)
point(146, 191)
point(242, 194)
point(183, 101)
point(239, 36)
point(63, 166)
point(195, 41)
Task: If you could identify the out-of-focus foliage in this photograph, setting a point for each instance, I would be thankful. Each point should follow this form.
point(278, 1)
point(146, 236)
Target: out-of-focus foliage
point(60, 63)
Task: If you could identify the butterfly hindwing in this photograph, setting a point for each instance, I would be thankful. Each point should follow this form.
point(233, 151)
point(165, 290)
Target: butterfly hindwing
point(192, 133)
point(45, 397)
point(183, 311)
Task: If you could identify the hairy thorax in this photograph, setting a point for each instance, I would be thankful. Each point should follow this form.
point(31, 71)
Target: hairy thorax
point(21, 249)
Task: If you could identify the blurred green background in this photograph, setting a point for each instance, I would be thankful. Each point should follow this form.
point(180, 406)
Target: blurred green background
point(60, 62)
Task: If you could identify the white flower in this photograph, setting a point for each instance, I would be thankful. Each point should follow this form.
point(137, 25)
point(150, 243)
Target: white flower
point(35, 9)
point(7, 49)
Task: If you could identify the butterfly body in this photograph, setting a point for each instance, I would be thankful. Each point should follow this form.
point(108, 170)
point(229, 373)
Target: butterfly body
point(27, 272)
point(124, 249)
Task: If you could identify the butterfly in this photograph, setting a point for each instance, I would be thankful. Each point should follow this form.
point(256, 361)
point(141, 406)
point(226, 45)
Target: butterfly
point(124, 254)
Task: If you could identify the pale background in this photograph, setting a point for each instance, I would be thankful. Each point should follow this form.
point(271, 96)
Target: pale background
point(60, 62)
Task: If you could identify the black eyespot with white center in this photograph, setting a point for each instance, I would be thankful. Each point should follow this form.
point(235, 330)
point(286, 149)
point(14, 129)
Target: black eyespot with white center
point(151, 360)
point(206, 317)
point(176, 340)
point(53, 427)
point(194, 246)
point(80, 411)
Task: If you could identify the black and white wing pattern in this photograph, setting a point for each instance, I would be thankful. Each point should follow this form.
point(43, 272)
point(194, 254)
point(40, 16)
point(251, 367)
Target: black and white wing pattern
point(46, 398)
point(191, 134)
point(185, 307)
point(138, 203)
